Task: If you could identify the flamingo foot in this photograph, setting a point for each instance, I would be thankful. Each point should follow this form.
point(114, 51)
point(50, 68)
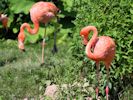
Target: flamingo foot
point(107, 92)
point(97, 91)
point(42, 64)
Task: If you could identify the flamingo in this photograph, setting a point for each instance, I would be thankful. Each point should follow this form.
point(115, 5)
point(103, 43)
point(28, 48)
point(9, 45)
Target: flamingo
point(40, 12)
point(4, 20)
point(98, 49)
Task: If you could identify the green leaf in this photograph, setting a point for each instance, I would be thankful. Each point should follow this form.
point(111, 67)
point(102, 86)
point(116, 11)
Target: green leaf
point(0, 97)
point(67, 5)
point(131, 11)
point(80, 63)
point(15, 30)
point(110, 85)
point(18, 6)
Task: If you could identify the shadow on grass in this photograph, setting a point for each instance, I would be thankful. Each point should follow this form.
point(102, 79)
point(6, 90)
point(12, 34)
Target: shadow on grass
point(7, 61)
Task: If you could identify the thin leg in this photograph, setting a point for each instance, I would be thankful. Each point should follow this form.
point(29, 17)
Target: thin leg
point(107, 88)
point(43, 45)
point(55, 50)
point(97, 76)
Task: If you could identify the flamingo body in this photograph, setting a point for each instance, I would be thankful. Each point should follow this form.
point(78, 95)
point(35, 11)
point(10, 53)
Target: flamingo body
point(40, 12)
point(43, 12)
point(104, 49)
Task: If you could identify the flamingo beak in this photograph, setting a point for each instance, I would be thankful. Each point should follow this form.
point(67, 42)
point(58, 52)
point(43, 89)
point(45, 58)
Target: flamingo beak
point(59, 11)
point(21, 48)
point(85, 41)
point(82, 36)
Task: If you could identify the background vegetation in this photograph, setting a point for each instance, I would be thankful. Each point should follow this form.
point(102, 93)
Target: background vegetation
point(20, 73)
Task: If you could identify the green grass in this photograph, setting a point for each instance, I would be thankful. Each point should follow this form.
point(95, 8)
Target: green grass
point(22, 76)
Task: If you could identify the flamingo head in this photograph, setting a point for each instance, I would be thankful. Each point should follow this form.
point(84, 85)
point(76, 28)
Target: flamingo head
point(84, 35)
point(54, 9)
point(57, 10)
point(21, 45)
point(21, 37)
point(53, 13)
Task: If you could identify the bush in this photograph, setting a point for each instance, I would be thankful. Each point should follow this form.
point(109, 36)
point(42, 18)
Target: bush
point(114, 19)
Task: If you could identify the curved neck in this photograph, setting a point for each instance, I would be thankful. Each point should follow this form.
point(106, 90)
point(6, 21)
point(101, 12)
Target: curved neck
point(21, 35)
point(92, 42)
point(27, 26)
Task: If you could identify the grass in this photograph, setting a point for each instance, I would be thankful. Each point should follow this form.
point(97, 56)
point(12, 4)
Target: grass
point(22, 76)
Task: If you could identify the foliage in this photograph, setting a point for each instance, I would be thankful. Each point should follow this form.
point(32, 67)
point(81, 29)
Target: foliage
point(112, 18)
point(18, 13)
point(4, 6)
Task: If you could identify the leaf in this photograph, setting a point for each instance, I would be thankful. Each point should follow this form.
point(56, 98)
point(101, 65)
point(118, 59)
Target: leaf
point(48, 82)
point(80, 63)
point(86, 84)
point(18, 6)
point(15, 30)
point(131, 11)
point(0, 97)
point(10, 19)
point(126, 57)
point(67, 5)
point(110, 85)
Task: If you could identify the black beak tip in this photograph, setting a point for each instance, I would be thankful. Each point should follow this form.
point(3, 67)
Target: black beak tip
point(23, 50)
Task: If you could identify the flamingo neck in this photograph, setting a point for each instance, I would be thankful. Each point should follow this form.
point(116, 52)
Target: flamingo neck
point(27, 26)
point(91, 43)
point(21, 35)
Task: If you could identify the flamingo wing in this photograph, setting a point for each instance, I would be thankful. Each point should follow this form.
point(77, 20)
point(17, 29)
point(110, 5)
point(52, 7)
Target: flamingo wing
point(104, 47)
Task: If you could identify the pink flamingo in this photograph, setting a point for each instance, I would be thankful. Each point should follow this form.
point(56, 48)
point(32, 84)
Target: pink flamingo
point(4, 20)
point(40, 12)
point(99, 49)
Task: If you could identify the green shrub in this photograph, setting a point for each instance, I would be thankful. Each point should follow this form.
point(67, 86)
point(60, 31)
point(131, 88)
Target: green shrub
point(114, 19)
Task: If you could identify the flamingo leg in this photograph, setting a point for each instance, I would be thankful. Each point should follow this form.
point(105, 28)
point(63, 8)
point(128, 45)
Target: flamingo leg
point(107, 88)
point(43, 45)
point(55, 49)
point(97, 76)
